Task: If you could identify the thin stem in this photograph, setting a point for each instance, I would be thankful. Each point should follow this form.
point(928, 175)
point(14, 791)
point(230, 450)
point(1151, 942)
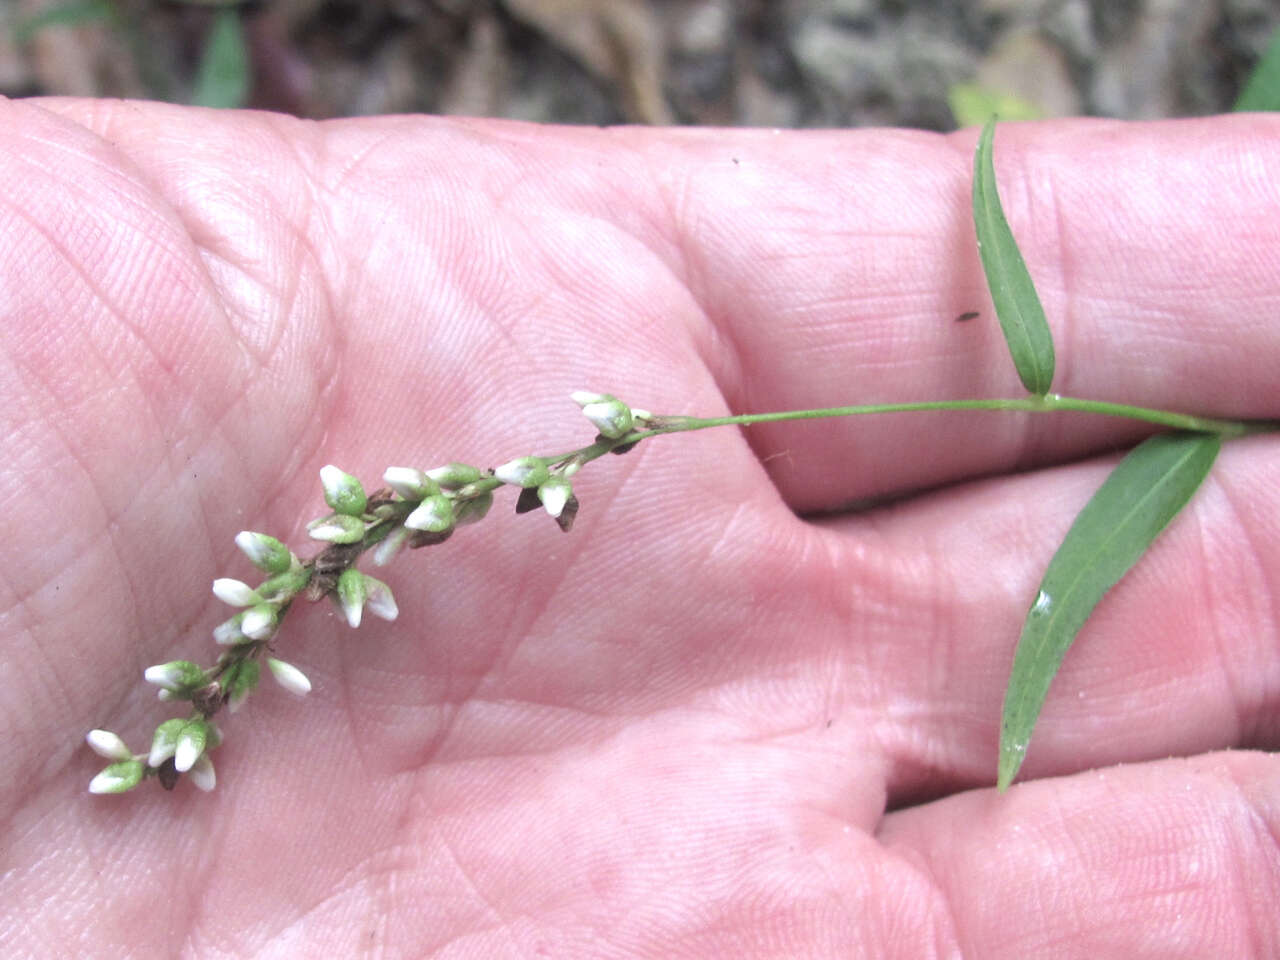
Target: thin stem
point(1036, 404)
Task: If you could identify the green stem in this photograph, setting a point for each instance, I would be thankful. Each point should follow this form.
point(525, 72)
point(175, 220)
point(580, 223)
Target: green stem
point(1035, 404)
point(1049, 403)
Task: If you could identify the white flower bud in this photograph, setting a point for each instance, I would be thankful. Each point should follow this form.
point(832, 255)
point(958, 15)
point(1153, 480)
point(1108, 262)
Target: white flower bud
point(108, 745)
point(235, 593)
point(585, 398)
point(378, 599)
point(523, 472)
point(342, 491)
point(289, 677)
point(410, 482)
point(118, 777)
point(434, 515)
point(554, 494)
point(264, 552)
point(202, 775)
point(259, 623)
point(191, 744)
point(351, 595)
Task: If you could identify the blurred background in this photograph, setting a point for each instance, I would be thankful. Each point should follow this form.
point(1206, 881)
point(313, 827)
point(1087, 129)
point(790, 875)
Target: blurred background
point(785, 63)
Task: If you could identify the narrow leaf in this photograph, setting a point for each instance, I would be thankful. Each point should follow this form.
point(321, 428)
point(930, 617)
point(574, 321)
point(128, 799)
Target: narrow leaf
point(223, 78)
point(1144, 492)
point(1262, 89)
point(1014, 296)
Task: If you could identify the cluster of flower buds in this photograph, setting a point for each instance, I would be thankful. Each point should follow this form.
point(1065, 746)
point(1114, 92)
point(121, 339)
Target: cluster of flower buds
point(182, 744)
point(442, 499)
point(257, 621)
point(179, 746)
point(346, 498)
point(541, 487)
point(424, 507)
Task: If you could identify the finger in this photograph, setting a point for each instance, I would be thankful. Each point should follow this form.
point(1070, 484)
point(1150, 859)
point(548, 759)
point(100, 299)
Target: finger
point(1170, 859)
point(782, 272)
point(1180, 657)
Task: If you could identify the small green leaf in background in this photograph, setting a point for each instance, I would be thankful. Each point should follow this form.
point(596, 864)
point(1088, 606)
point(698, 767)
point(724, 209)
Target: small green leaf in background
point(1144, 492)
point(223, 78)
point(1262, 90)
point(64, 15)
point(1017, 305)
point(972, 104)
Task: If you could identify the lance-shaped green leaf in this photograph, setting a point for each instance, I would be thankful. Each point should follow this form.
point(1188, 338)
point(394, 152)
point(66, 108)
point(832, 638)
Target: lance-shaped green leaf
point(1012, 293)
point(1144, 492)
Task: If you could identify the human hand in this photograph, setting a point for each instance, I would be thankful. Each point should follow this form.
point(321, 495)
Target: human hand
point(675, 732)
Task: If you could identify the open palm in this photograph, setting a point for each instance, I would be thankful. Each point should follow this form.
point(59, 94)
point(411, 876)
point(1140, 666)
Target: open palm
point(749, 706)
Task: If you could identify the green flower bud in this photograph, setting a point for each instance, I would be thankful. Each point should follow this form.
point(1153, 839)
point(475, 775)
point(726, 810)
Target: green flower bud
point(342, 491)
point(454, 475)
point(192, 740)
point(177, 676)
point(473, 509)
point(410, 482)
point(118, 777)
point(337, 528)
point(241, 680)
point(434, 515)
point(351, 595)
point(284, 586)
point(523, 472)
point(610, 416)
point(264, 552)
point(165, 741)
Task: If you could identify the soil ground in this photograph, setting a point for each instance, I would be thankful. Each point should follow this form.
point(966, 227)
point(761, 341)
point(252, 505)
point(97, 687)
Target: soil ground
point(781, 63)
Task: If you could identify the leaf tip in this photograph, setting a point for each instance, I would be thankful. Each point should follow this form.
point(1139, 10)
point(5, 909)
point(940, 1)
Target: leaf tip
point(1012, 754)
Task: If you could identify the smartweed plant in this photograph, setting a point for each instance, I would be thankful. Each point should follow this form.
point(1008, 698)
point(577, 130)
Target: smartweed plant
point(418, 508)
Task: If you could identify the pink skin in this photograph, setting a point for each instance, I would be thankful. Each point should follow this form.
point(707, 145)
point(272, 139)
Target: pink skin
point(675, 732)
